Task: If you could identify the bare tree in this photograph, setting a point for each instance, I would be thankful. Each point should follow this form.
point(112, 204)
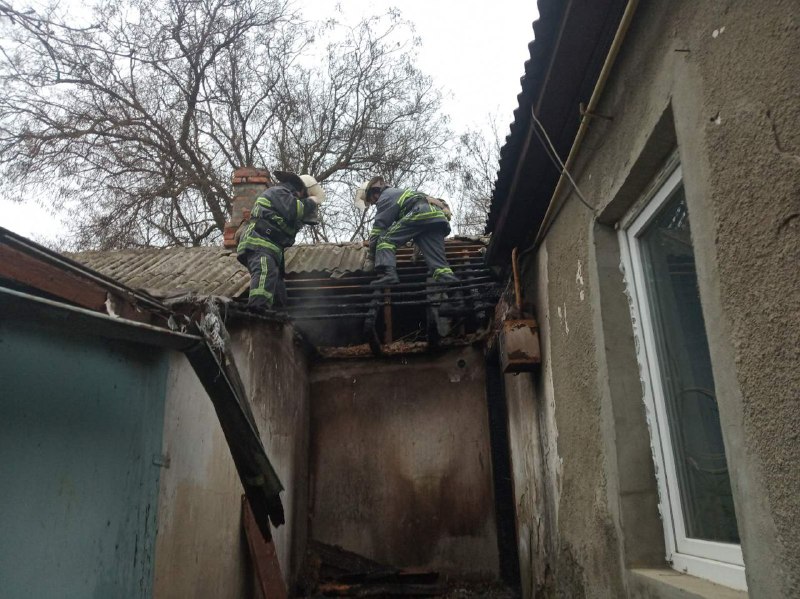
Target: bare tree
point(366, 110)
point(138, 120)
point(473, 169)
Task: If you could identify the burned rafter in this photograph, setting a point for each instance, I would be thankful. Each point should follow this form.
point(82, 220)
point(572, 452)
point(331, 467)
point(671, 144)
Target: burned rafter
point(344, 310)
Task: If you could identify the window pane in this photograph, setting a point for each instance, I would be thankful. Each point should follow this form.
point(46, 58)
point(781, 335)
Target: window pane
point(685, 369)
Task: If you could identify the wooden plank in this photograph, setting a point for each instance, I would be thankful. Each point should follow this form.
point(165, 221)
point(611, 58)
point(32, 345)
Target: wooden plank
point(347, 561)
point(23, 268)
point(387, 315)
point(33, 272)
point(263, 556)
point(338, 589)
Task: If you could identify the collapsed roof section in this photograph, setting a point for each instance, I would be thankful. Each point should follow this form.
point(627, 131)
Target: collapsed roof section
point(329, 295)
point(344, 311)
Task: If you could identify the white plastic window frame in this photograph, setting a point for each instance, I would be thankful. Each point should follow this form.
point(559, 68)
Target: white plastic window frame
point(718, 562)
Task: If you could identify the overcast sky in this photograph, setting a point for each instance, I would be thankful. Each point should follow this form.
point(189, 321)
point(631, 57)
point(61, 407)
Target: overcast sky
point(473, 49)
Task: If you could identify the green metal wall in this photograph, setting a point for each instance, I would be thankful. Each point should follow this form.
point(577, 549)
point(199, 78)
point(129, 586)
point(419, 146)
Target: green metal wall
point(81, 422)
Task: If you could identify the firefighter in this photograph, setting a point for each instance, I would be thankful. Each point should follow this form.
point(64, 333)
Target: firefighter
point(403, 215)
point(277, 216)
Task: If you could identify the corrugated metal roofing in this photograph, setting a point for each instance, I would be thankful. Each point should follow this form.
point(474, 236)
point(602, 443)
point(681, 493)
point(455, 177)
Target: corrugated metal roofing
point(539, 49)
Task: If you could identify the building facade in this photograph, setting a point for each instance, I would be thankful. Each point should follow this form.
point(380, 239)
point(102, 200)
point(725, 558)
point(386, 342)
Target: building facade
point(655, 452)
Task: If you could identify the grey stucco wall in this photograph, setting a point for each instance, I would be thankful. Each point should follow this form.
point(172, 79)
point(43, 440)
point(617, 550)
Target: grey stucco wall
point(401, 461)
point(719, 81)
point(200, 548)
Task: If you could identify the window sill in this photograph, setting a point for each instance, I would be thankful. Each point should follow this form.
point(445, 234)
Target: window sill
point(667, 583)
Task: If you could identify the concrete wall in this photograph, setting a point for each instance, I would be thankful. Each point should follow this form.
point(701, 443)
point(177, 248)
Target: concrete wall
point(275, 371)
point(718, 81)
point(401, 463)
point(201, 551)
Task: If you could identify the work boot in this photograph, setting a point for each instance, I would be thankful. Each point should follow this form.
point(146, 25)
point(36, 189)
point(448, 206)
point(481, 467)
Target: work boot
point(446, 288)
point(448, 279)
point(445, 283)
point(388, 277)
point(260, 309)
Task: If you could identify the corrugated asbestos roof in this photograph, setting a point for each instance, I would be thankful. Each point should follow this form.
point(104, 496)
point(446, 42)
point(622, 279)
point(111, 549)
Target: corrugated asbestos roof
point(336, 259)
point(206, 270)
point(571, 42)
point(215, 270)
point(545, 30)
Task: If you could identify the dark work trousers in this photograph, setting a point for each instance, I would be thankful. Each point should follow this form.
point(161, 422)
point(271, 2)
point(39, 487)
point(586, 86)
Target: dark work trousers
point(427, 235)
point(267, 289)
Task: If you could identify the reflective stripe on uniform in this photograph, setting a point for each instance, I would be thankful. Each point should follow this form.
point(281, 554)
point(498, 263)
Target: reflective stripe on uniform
point(434, 213)
point(252, 242)
point(394, 228)
point(262, 201)
point(243, 240)
point(262, 293)
point(442, 271)
point(404, 196)
point(261, 289)
point(386, 245)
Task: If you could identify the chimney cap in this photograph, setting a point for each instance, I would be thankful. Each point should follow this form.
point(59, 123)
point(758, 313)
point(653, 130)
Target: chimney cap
point(252, 175)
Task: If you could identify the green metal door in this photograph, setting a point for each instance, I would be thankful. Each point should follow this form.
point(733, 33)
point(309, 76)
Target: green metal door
point(81, 421)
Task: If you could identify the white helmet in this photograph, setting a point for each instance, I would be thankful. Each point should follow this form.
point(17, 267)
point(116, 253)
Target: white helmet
point(361, 192)
point(315, 192)
point(361, 195)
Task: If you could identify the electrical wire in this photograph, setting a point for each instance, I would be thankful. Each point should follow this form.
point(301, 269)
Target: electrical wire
point(553, 154)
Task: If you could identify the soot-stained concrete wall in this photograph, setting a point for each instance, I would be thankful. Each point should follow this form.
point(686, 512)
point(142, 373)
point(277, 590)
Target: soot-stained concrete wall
point(718, 82)
point(401, 463)
point(200, 547)
point(274, 369)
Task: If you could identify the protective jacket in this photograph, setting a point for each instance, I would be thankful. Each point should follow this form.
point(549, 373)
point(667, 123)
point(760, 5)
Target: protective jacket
point(405, 214)
point(404, 206)
point(274, 222)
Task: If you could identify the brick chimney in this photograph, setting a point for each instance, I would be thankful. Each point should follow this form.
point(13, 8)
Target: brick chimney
point(248, 182)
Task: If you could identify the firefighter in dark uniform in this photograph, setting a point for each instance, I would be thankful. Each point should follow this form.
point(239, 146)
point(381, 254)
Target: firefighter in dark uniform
point(403, 215)
point(277, 216)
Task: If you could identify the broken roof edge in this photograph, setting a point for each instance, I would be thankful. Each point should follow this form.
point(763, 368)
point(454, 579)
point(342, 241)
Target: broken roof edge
point(399, 348)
